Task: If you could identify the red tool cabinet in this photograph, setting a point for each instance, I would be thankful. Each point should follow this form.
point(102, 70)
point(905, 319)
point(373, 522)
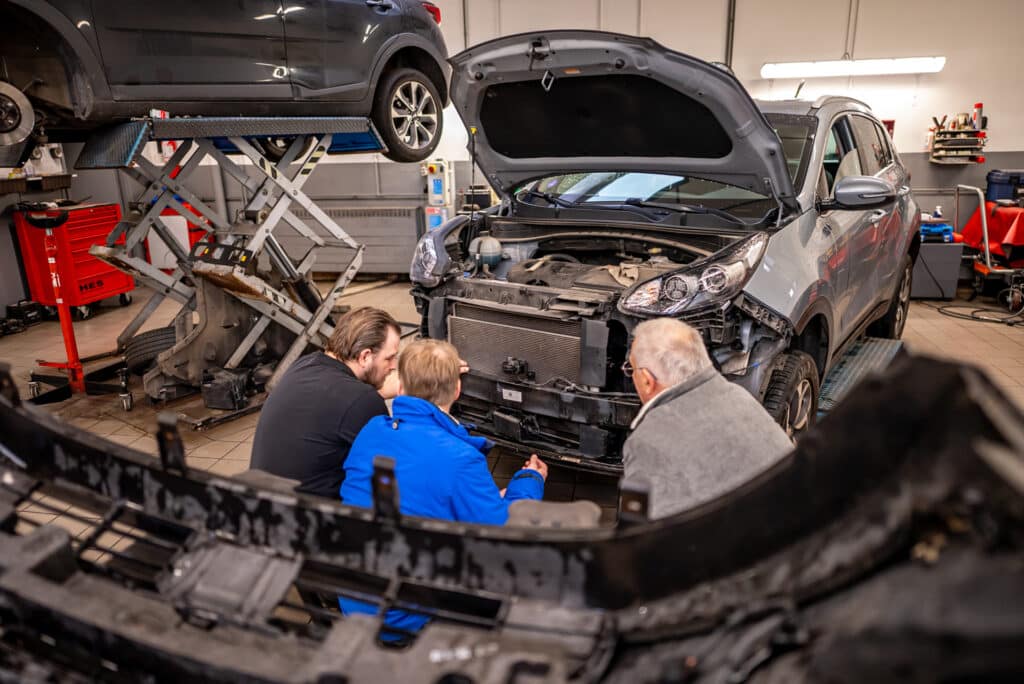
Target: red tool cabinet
point(84, 278)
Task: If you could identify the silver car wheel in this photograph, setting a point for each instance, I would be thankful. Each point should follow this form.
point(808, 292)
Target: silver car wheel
point(798, 409)
point(414, 114)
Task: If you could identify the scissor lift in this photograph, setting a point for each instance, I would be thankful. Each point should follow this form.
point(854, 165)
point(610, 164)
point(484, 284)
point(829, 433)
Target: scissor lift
point(238, 280)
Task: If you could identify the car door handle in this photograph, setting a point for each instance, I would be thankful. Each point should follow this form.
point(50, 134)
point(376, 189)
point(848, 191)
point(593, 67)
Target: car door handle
point(877, 215)
point(382, 4)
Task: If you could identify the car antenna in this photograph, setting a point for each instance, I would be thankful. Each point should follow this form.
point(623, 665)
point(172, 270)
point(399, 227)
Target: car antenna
point(796, 95)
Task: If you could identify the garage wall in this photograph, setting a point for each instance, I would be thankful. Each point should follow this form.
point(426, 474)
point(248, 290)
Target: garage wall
point(974, 40)
point(981, 44)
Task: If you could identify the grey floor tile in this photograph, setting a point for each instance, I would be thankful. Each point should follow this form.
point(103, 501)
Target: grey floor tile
point(228, 467)
point(199, 463)
point(241, 453)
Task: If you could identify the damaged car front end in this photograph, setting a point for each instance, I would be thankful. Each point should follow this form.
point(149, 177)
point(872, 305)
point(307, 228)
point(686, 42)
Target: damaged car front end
point(546, 328)
point(637, 182)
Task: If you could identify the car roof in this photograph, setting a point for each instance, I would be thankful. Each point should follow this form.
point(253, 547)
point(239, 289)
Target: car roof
point(805, 107)
point(799, 107)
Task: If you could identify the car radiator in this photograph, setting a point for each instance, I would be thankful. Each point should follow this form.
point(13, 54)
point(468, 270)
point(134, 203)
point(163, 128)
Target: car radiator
point(486, 338)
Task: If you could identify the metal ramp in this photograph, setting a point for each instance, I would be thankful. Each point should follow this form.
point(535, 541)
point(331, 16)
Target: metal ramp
point(868, 355)
point(243, 298)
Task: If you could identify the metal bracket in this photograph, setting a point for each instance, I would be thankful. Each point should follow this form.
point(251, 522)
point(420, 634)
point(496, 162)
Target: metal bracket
point(547, 80)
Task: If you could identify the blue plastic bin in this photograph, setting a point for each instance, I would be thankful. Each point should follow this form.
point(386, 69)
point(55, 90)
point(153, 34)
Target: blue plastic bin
point(1003, 184)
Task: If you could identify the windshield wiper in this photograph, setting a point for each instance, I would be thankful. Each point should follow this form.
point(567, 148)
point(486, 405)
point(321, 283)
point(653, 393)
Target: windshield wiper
point(549, 198)
point(693, 209)
point(743, 203)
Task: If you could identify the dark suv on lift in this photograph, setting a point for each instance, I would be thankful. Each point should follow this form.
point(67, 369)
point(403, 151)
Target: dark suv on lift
point(641, 182)
point(69, 66)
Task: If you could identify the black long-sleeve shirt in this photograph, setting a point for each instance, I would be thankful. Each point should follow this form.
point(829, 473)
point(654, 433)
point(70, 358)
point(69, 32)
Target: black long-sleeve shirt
point(309, 421)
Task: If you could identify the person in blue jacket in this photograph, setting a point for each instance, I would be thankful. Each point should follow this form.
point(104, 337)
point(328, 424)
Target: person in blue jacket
point(440, 469)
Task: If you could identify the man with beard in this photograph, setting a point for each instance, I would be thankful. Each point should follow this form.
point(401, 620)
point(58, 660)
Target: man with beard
point(322, 402)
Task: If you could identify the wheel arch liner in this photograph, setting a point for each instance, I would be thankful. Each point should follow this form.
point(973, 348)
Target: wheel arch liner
point(88, 60)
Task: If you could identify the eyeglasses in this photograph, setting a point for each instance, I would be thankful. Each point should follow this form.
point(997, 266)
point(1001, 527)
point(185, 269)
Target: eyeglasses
point(628, 370)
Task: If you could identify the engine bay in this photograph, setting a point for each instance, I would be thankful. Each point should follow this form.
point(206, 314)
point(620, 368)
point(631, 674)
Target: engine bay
point(543, 313)
point(596, 258)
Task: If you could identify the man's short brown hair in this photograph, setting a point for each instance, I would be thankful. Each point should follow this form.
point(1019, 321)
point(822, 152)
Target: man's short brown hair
point(429, 369)
point(359, 329)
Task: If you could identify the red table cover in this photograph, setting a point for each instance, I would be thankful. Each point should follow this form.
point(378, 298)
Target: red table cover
point(1005, 233)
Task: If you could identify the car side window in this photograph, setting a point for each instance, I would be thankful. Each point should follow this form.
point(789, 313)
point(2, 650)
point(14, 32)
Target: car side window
point(873, 152)
point(840, 157)
point(883, 136)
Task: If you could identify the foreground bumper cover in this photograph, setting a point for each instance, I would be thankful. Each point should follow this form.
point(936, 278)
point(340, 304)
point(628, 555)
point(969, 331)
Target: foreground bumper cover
point(896, 525)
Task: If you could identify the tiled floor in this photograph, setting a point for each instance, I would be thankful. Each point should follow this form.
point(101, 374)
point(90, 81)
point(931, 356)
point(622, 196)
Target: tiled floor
point(996, 348)
point(225, 449)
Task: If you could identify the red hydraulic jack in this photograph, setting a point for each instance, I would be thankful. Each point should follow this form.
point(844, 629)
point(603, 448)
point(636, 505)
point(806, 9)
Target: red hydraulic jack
point(75, 381)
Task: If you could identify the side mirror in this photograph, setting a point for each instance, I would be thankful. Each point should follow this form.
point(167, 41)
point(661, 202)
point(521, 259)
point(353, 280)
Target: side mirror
point(860, 192)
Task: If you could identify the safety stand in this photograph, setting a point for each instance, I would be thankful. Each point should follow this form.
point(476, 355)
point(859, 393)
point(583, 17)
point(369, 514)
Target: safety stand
point(222, 268)
point(75, 380)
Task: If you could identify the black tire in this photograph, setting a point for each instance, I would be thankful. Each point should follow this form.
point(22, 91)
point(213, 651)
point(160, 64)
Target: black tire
point(409, 138)
point(124, 299)
point(792, 396)
point(142, 350)
point(82, 313)
point(275, 148)
point(894, 322)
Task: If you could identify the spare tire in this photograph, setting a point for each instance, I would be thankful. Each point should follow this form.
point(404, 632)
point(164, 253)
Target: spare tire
point(142, 350)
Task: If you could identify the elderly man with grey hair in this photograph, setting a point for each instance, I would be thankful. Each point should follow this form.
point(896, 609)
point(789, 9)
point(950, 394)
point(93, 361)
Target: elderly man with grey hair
point(697, 435)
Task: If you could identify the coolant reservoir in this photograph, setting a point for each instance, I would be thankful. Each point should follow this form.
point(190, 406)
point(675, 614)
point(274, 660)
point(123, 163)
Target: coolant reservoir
point(486, 250)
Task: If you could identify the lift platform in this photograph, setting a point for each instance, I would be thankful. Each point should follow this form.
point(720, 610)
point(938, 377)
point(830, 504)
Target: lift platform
point(246, 306)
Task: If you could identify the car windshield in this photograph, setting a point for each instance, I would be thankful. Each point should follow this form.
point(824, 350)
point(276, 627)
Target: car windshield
point(620, 187)
point(616, 187)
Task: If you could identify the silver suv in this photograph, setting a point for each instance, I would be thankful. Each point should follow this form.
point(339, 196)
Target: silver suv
point(641, 182)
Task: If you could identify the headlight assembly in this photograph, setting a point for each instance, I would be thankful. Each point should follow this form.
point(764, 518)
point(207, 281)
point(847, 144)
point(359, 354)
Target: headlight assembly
point(430, 260)
point(705, 282)
point(424, 263)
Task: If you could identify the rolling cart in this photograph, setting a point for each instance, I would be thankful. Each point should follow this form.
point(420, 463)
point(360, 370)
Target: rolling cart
point(52, 224)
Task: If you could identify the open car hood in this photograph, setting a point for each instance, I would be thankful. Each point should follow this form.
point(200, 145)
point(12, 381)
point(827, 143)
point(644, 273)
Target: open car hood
point(567, 101)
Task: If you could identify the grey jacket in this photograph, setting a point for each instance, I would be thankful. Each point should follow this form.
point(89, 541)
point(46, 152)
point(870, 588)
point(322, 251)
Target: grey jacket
point(698, 440)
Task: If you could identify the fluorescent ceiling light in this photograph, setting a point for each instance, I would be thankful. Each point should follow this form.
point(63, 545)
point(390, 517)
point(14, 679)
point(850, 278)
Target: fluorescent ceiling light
point(854, 67)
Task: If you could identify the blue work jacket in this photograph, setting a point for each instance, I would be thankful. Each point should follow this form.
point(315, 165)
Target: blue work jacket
point(441, 472)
